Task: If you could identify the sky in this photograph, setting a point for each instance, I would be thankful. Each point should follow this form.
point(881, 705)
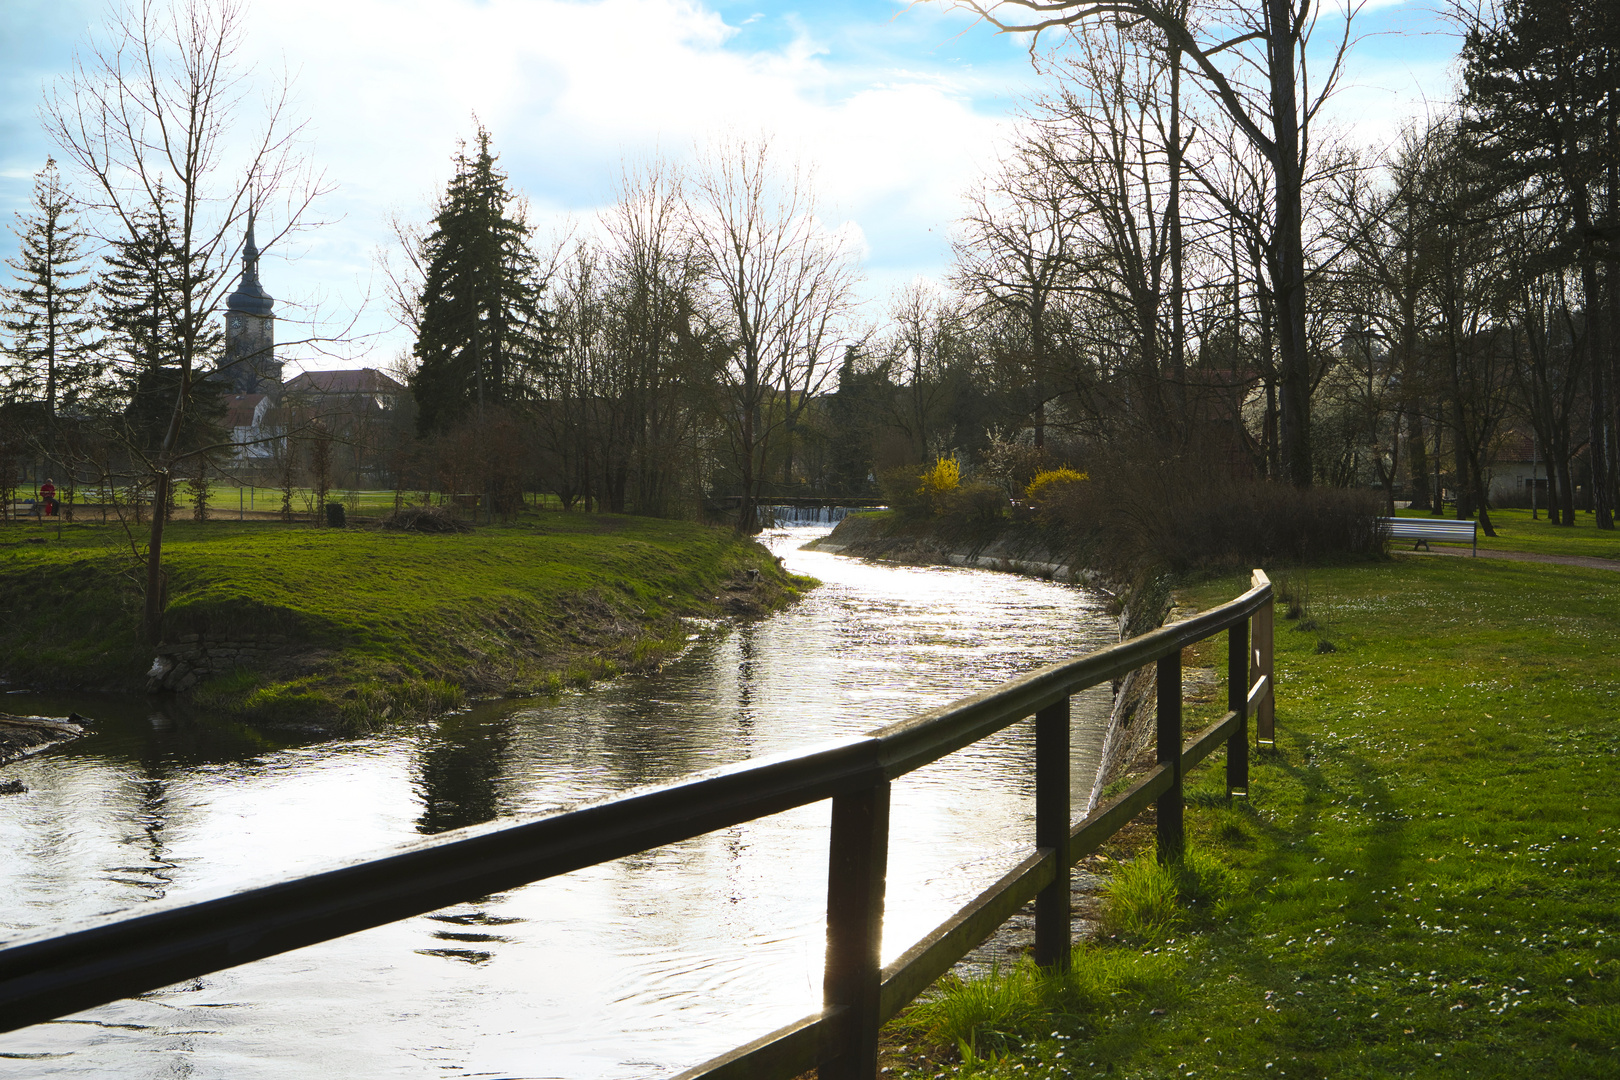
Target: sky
point(896, 108)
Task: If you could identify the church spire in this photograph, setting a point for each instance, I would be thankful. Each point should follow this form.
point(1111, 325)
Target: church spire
point(250, 296)
point(250, 255)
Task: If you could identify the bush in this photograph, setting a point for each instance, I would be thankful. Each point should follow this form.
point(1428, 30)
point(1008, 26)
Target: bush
point(1134, 520)
point(1051, 487)
point(1047, 483)
point(940, 483)
point(976, 502)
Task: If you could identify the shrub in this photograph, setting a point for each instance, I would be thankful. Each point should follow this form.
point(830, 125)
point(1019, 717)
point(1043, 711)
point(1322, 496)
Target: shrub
point(976, 502)
point(1136, 520)
point(901, 492)
point(940, 483)
point(1046, 483)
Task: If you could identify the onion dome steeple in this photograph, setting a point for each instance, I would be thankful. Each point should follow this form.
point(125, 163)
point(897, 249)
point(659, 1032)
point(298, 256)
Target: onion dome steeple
point(250, 296)
point(249, 363)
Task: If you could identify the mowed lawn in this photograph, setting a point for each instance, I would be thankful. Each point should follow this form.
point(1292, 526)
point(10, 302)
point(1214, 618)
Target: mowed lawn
point(1425, 880)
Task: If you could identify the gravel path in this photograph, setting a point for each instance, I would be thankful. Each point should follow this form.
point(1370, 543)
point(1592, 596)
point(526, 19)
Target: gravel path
point(1527, 556)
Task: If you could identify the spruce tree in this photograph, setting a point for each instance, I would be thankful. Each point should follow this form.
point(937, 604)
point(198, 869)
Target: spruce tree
point(46, 311)
point(140, 308)
point(482, 323)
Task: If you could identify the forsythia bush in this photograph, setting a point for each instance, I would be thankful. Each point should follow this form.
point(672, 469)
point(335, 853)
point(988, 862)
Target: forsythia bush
point(940, 482)
point(1047, 483)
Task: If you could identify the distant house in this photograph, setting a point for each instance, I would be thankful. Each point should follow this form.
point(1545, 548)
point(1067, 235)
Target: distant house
point(352, 391)
point(356, 406)
point(1517, 478)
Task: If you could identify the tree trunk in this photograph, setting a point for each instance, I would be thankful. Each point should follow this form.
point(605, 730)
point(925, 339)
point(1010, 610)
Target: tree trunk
point(1294, 356)
point(152, 616)
point(1417, 453)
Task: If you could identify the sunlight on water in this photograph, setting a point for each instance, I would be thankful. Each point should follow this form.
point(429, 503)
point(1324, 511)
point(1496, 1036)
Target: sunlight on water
point(638, 968)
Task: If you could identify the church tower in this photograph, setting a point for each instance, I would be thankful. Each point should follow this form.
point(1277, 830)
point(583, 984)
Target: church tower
point(249, 364)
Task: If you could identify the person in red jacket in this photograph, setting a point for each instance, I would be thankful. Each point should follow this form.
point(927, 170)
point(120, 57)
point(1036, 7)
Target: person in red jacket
point(47, 497)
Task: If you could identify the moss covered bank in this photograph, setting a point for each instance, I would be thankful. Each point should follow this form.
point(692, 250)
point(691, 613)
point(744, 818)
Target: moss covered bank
point(349, 627)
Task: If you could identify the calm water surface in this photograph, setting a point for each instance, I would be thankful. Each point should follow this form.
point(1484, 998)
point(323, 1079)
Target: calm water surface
point(638, 968)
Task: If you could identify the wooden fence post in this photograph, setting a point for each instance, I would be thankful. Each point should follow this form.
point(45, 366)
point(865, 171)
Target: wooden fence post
point(857, 872)
point(1052, 942)
point(1169, 806)
point(1265, 724)
point(1237, 700)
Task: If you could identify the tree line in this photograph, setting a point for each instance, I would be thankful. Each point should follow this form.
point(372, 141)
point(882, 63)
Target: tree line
point(1175, 262)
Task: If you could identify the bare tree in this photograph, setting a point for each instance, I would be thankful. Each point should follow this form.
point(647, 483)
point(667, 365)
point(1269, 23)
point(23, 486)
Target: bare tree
point(1250, 57)
point(1017, 245)
point(658, 329)
point(783, 286)
point(928, 333)
point(146, 115)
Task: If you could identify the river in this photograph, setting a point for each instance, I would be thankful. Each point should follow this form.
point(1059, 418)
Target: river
point(641, 967)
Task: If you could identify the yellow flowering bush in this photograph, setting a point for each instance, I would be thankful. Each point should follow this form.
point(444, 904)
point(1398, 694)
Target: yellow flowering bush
point(1049, 482)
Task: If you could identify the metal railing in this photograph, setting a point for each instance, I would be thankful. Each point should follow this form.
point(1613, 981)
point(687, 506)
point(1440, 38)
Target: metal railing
point(163, 943)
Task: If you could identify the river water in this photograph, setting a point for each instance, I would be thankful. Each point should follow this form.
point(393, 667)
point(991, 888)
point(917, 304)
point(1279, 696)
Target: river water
point(638, 968)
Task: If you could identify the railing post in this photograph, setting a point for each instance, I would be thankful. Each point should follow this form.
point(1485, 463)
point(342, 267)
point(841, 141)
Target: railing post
point(1052, 942)
point(1265, 725)
point(857, 870)
point(1237, 700)
point(1169, 806)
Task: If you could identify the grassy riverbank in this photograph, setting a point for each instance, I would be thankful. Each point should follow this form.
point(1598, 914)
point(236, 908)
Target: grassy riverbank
point(1424, 881)
point(359, 625)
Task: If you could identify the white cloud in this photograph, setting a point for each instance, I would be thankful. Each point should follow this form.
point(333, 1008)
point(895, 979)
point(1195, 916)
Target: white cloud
point(568, 90)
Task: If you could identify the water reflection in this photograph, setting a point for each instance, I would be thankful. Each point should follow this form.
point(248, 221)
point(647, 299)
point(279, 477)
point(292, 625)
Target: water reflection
point(637, 968)
point(459, 770)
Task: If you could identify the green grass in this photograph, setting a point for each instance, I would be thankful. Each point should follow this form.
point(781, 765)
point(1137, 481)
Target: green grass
point(1424, 882)
point(1517, 532)
point(376, 624)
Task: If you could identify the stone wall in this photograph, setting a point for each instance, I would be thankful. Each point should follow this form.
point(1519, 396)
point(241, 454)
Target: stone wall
point(191, 658)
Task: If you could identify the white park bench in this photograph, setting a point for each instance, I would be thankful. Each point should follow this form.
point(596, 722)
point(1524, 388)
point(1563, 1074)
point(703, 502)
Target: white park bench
point(1425, 529)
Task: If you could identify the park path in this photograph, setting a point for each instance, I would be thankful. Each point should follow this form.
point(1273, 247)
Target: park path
point(1528, 556)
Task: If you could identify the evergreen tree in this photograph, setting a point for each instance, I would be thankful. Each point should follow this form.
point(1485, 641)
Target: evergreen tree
point(1543, 97)
point(482, 323)
point(140, 308)
point(46, 311)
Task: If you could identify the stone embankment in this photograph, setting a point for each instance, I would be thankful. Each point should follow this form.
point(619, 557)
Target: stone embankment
point(183, 663)
point(869, 537)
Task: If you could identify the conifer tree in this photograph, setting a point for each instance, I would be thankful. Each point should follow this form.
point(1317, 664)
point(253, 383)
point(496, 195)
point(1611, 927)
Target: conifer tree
point(482, 323)
point(141, 309)
point(46, 311)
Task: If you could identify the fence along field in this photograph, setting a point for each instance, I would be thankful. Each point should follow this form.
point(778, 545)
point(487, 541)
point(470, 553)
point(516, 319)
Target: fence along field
point(119, 956)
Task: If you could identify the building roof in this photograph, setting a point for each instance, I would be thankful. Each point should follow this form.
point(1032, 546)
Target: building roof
point(348, 381)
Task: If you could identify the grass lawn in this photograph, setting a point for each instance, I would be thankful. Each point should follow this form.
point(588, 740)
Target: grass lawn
point(1425, 881)
point(1517, 532)
point(373, 623)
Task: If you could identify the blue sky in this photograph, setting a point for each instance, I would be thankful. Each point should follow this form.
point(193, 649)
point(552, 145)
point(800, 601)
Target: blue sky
point(898, 109)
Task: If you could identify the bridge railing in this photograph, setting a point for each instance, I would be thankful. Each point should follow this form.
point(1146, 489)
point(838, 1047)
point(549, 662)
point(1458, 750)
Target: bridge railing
point(159, 944)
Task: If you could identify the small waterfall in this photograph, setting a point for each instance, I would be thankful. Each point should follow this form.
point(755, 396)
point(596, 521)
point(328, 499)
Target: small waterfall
point(771, 517)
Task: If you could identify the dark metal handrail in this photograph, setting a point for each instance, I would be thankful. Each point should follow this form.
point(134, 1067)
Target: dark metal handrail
point(113, 957)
